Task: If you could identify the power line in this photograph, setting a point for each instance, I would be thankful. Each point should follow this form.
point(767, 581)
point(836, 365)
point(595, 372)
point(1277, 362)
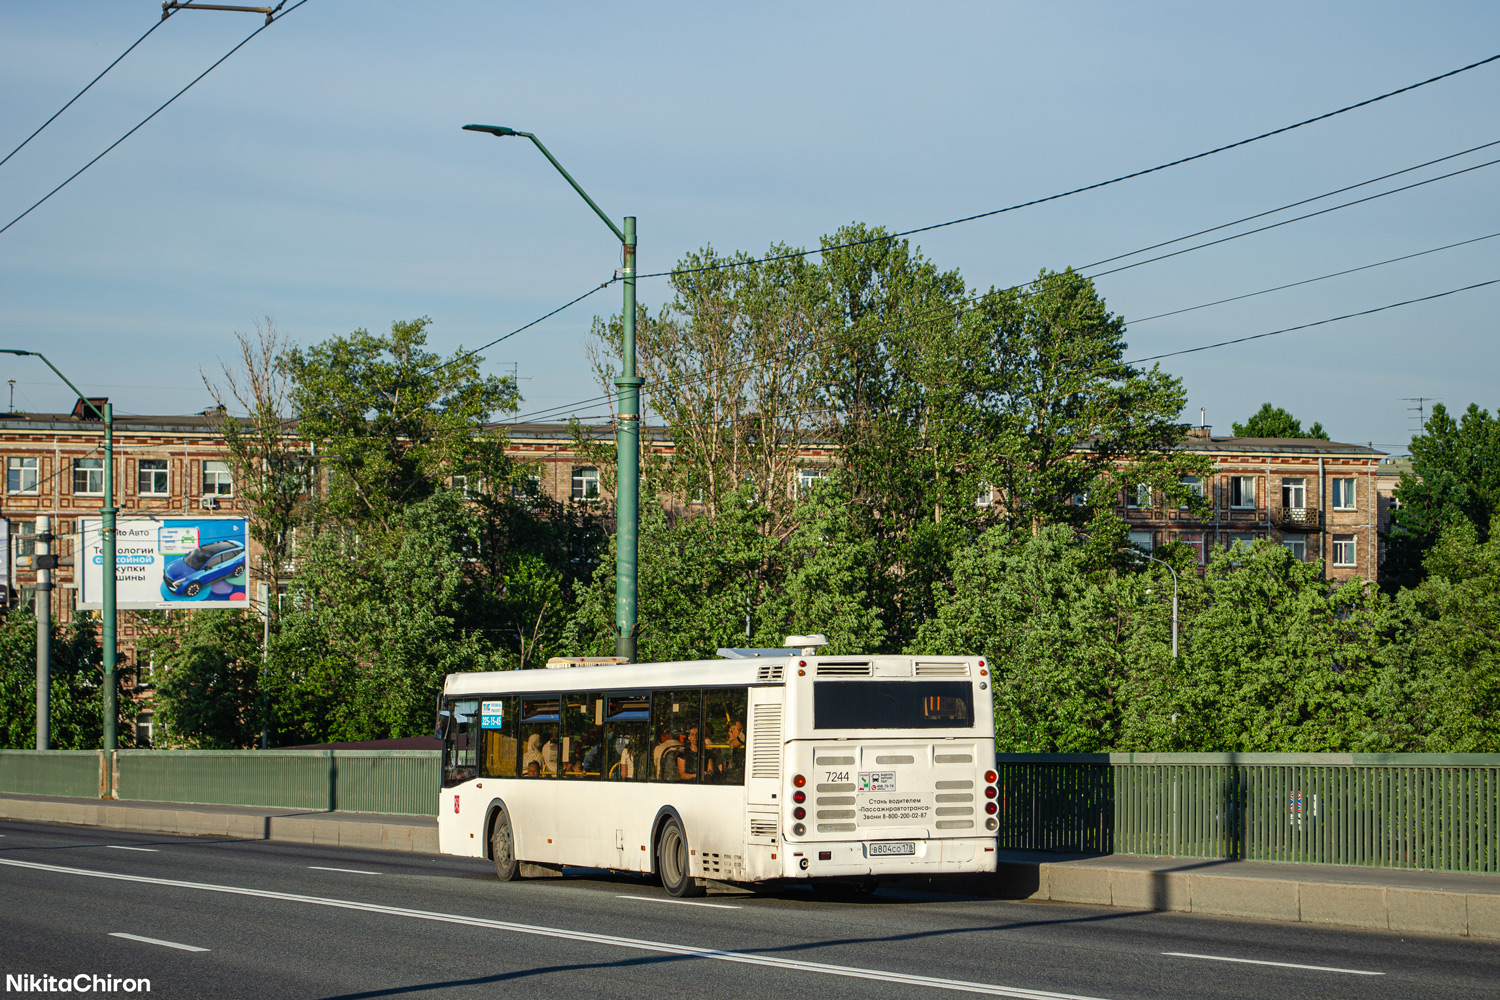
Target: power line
point(1088, 187)
point(152, 115)
point(85, 90)
point(1308, 281)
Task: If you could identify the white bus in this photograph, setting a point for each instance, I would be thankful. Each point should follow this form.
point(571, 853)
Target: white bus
point(764, 765)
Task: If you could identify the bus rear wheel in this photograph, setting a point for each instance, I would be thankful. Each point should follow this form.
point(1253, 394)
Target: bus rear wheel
point(672, 862)
point(503, 848)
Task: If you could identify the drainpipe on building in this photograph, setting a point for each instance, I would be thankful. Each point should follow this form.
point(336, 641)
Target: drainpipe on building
point(1323, 553)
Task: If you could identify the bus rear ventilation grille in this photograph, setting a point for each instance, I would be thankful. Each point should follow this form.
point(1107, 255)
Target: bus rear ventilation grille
point(942, 669)
point(844, 670)
point(769, 671)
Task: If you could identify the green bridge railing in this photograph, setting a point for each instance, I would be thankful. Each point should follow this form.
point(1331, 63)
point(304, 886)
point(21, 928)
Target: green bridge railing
point(1439, 812)
point(403, 782)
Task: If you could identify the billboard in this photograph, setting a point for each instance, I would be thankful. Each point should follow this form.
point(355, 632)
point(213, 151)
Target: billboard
point(166, 562)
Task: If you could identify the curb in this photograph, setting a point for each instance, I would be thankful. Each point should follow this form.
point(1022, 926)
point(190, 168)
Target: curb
point(415, 834)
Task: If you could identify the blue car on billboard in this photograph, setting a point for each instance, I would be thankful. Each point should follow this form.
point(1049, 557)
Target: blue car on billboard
point(203, 566)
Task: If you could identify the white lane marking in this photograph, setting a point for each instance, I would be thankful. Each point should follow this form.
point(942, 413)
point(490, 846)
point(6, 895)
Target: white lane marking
point(164, 944)
point(351, 871)
point(1281, 965)
point(608, 940)
point(122, 847)
point(682, 902)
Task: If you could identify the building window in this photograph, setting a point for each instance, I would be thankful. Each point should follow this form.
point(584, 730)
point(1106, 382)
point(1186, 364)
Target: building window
point(1343, 494)
point(218, 481)
point(586, 483)
point(469, 486)
point(1242, 492)
point(1193, 485)
point(986, 495)
point(88, 476)
point(1297, 546)
point(1138, 498)
point(1143, 540)
point(1343, 550)
point(1194, 541)
point(24, 532)
point(808, 478)
point(21, 475)
point(151, 477)
point(1294, 493)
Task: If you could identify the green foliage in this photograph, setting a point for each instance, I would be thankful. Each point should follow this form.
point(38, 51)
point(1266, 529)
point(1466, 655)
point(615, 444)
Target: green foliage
point(1456, 477)
point(1274, 422)
point(207, 695)
point(75, 690)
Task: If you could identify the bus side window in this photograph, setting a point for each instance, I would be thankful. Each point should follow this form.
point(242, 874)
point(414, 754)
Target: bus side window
point(459, 749)
point(677, 725)
point(499, 744)
point(540, 752)
point(627, 737)
point(583, 735)
point(724, 736)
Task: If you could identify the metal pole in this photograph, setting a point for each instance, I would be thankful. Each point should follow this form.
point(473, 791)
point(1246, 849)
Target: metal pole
point(265, 647)
point(1174, 613)
point(111, 709)
point(43, 608)
point(628, 465)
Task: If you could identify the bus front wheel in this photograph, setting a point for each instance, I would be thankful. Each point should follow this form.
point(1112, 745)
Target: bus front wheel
point(503, 848)
point(672, 862)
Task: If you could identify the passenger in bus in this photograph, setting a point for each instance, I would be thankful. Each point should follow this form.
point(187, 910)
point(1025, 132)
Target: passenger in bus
point(664, 757)
point(593, 753)
point(534, 769)
point(533, 754)
point(688, 757)
point(549, 754)
point(729, 768)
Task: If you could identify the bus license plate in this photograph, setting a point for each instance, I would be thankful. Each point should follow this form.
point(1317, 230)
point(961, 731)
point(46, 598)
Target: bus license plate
point(892, 848)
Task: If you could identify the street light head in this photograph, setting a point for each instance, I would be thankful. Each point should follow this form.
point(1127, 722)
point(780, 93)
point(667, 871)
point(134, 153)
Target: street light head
point(492, 129)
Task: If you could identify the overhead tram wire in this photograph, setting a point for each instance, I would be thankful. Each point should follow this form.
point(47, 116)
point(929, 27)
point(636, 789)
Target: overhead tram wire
point(152, 115)
point(1053, 197)
point(974, 297)
point(1308, 281)
point(156, 24)
point(1079, 190)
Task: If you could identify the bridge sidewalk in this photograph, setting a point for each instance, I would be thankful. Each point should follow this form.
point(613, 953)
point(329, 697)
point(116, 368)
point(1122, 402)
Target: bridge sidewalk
point(1449, 903)
point(1425, 902)
point(345, 829)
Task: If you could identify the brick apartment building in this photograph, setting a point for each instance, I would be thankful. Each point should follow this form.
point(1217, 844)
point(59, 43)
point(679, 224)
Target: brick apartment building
point(1321, 499)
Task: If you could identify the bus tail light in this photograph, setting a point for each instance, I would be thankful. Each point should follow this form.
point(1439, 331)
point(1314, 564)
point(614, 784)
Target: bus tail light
point(991, 791)
point(798, 829)
point(990, 777)
point(798, 780)
point(799, 796)
point(799, 813)
point(991, 808)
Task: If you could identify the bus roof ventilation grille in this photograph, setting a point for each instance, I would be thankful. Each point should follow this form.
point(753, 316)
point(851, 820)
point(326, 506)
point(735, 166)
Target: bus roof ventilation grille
point(844, 670)
point(941, 669)
point(770, 671)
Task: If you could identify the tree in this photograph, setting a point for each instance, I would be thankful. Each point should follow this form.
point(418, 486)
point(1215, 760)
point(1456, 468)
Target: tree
point(76, 696)
point(1455, 477)
point(392, 423)
point(1274, 422)
point(208, 693)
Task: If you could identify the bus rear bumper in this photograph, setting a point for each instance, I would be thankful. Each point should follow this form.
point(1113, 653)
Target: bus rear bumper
point(882, 858)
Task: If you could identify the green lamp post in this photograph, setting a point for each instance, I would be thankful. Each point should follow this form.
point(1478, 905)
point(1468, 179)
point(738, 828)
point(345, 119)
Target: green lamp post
point(111, 708)
point(628, 428)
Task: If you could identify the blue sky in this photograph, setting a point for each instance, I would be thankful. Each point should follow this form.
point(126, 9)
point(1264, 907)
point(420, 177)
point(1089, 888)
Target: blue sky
point(320, 177)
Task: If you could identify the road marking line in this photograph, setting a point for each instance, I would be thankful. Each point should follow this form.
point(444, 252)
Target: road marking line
point(164, 944)
point(1282, 965)
point(122, 847)
point(351, 871)
point(682, 902)
point(608, 940)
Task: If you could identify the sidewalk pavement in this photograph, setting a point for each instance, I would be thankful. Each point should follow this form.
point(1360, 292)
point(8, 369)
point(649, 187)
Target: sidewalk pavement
point(1447, 903)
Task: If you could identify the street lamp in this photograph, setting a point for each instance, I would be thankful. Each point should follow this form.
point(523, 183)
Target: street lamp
point(1137, 553)
point(628, 428)
point(111, 709)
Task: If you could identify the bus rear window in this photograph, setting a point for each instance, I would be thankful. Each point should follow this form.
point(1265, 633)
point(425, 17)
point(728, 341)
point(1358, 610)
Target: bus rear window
point(893, 705)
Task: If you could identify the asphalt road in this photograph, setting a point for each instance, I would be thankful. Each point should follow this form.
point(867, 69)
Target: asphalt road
point(283, 920)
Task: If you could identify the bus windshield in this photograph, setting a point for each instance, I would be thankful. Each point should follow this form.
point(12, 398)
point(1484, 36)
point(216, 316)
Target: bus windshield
point(893, 705)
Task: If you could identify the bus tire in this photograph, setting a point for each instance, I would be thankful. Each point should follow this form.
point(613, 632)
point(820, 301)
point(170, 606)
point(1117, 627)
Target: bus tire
point(503, 847)
point(672, 861)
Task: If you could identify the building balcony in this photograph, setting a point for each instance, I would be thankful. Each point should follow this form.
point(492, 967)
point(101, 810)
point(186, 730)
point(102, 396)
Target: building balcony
point(1298, 518)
